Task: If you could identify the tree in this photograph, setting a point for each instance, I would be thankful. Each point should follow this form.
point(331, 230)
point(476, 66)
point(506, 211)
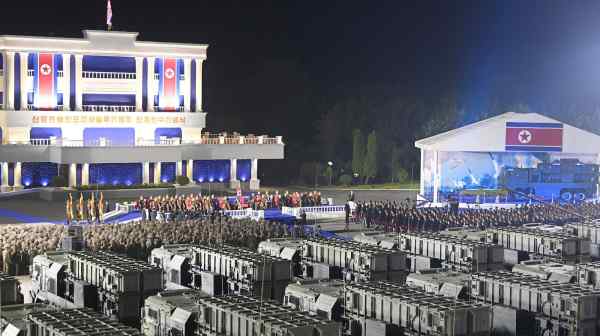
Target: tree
point(395, 165)
point(358, 152)
point(370, 164)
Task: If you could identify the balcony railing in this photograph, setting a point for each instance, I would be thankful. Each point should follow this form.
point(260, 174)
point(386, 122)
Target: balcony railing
point(157, 76)
point(32, 107)
point(31, 73)
point(108, 75)
point(102, 142)
point(109, 108)
point(178, 109)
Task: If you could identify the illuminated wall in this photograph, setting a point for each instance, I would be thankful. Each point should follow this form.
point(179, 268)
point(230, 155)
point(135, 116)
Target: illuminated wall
point(211, 170)
point(116, 136)
point(167, 172)
point(38, 174)
point(460, 171)
point(116, 173)
point(243, 170)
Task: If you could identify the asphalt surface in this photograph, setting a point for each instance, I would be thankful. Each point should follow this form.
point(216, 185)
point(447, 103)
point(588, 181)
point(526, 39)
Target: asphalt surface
point(14, 211)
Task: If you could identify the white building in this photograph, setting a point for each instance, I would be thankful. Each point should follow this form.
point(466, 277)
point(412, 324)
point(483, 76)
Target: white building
point(109, 109)
point(526, 152)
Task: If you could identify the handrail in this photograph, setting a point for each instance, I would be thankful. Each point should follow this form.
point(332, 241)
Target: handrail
point(138, 143)
point(108, 75)
point(31, 107)
point(31, 73)
point(109, 108)
point(157, 76)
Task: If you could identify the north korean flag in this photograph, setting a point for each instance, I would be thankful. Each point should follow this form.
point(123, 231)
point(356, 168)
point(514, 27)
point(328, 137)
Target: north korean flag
point(169, 85)
point(534, 137)
point(45, 73)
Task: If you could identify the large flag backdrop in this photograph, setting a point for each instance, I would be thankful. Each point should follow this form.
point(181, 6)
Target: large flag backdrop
point(168, 91)
point(534, 137)
point(45, 80)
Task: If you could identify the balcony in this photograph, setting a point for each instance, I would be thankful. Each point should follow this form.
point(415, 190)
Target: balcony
point(65, 151)
point(31, 73)
point(31, 107)
point(178, 109)
point(140, 142)
point(157, 76)
point(108, 75)
point(109, 108)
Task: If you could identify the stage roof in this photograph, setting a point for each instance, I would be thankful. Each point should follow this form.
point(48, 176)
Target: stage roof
point(489, 135)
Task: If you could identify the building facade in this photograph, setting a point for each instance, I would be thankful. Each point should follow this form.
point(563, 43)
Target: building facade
point(109, 109)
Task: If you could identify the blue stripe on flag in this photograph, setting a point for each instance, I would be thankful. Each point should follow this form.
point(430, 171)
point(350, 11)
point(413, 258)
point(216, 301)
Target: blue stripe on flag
point(36, 82)
point(533, 148)
point(533, 125)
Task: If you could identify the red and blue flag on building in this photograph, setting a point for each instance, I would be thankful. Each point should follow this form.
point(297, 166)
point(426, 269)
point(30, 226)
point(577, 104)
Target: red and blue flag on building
point(168, 97)
point(45, 69)
point(534, 137)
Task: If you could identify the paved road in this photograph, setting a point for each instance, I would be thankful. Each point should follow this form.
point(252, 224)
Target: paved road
point(14, 211)
point(340, 196)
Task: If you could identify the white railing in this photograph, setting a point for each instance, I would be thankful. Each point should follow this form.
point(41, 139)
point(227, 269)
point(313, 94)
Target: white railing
point(177, 109)
point(31, 73)
point(139, 142)
point(245, 213)
point(32, 107)
point(108, 75)
point(40, 142)
point(157, 76)
point(109, 108)
point(326, 211)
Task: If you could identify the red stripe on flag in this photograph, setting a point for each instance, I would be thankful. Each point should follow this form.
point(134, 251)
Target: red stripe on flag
point(170, 84)
point(46, 81)
point(522, 136)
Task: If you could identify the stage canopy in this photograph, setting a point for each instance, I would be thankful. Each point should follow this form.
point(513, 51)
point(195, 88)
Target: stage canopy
point(522, 152)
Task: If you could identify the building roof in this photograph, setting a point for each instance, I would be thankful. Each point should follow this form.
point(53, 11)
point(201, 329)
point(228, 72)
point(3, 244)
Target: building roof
point(98, 42)
point(489, 136)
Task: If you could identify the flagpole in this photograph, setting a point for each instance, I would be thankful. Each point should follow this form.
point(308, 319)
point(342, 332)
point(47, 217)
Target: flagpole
point(109, 15)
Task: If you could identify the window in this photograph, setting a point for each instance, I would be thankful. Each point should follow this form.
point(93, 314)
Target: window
point(157, 262)
point(430, 320)
point(153, 314)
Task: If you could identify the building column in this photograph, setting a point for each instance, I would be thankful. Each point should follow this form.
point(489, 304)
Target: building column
point(157, 172)
point(4, 174)
point(146, 172)
point(85, 174)
point(139, 82)
point(150, 89)
point(190, 170)
point(78, 77)
point(24, 79)
point(17, 174)
point(66, 80)
point(436, 177)
point(72, 175)
point(199, 84)
point(9, 80)
point(187, 86)
point(254, 181)
point(234, 183)
point(178, 168)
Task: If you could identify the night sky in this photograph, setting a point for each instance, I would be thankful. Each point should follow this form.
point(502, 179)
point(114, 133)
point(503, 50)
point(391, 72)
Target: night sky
point(274, 66)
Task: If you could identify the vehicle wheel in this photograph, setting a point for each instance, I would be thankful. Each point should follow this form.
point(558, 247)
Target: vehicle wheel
point(580, 196)
point(566, 195)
